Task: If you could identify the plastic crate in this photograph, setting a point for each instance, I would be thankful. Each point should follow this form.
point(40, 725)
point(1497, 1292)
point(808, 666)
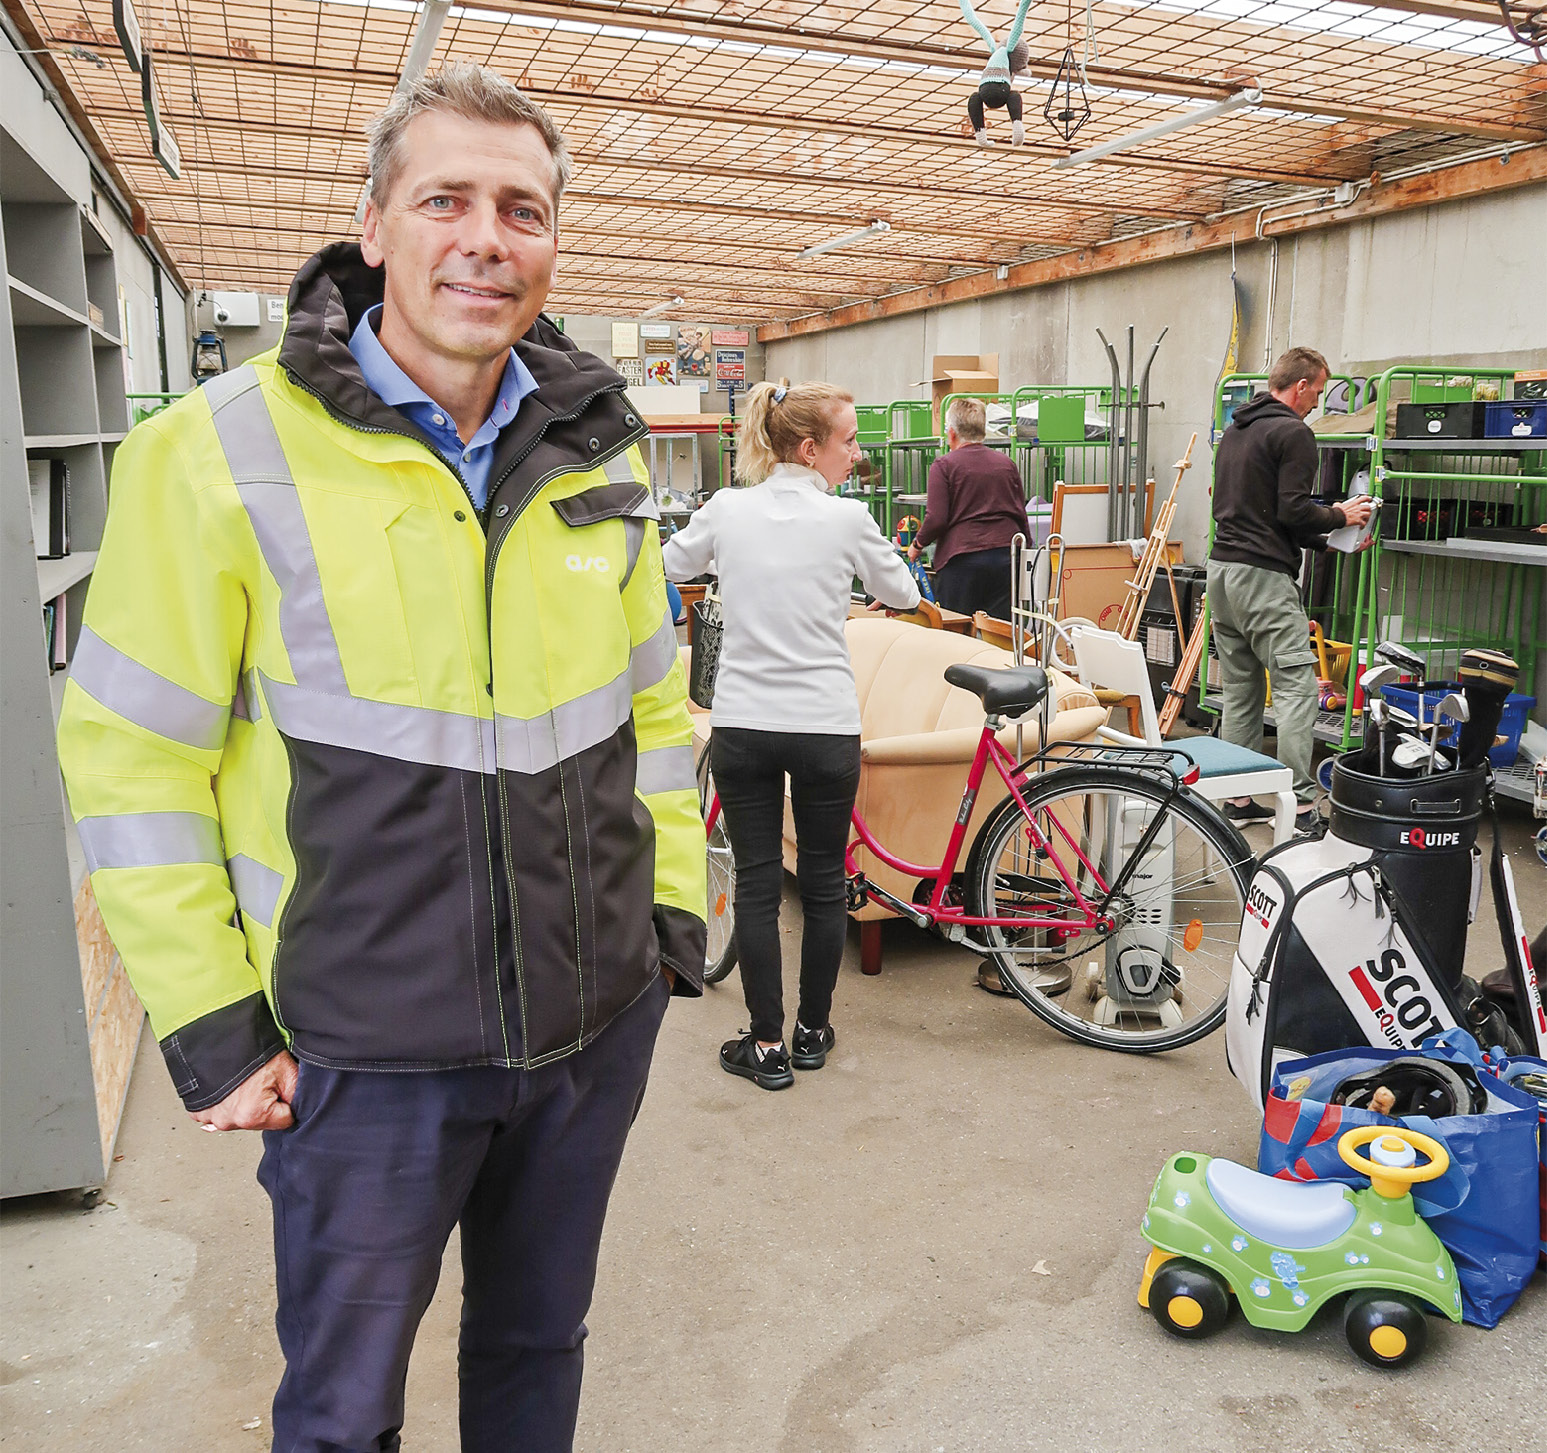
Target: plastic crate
point(1440, 421)
point(1517, 710)
point(1522, 419)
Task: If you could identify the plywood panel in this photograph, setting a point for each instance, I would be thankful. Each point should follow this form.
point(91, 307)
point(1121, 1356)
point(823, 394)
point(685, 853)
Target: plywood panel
point(114, 1016)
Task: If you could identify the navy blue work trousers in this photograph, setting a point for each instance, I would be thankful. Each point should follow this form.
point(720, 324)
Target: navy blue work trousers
point(366, 1187)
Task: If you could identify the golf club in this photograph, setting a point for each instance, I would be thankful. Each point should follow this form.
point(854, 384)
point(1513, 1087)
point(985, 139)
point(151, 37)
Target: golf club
point(1410, 663)
point(1454, 707)
point(1373, 682)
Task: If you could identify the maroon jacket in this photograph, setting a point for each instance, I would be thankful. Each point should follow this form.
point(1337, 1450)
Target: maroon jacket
point(976, 502)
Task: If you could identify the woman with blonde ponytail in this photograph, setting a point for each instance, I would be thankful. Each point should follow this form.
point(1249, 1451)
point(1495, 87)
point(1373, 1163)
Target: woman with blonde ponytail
point(786, 550)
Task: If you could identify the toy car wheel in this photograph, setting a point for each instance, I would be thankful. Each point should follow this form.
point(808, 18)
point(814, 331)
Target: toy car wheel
point(1385, 1329)
point(1189, 1300)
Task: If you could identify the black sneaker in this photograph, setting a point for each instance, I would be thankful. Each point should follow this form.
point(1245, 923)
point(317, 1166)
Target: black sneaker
point(1310, 824)
point(1252, 812)
point(768, 1069)
point(808, 1047)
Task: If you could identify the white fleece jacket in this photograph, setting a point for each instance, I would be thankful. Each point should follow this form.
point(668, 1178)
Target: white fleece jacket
point(786, 552)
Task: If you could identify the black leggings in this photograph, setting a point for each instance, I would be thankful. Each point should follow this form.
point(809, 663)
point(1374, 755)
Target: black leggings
point(994, 96)
point(749, 770)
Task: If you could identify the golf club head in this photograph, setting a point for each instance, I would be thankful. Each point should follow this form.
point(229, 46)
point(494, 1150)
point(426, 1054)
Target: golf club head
point(1378, 678)
point(1455, 707)
point(1410, 662)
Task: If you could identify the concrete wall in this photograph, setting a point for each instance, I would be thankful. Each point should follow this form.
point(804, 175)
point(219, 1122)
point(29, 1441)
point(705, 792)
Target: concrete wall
point(1457, 284)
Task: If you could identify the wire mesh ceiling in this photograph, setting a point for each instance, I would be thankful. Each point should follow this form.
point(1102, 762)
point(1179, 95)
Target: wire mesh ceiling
point(715, 139)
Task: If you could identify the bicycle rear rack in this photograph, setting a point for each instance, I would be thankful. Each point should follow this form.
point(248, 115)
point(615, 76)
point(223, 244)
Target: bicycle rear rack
point(1158, 761)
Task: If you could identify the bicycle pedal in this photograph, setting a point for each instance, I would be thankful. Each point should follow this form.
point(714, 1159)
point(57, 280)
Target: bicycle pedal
point(856, 893)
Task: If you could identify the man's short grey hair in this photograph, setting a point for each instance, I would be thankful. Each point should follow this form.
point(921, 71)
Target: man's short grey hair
point(968, 418)
point(464, 89)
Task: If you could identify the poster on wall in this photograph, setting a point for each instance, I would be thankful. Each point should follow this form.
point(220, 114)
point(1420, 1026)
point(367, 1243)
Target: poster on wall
point(661, 368)
point(655, 332)
point(730, 365)
point(656, 347)
point(693, 358)
point(625, 340)
point(729, 338)
point(631, 370)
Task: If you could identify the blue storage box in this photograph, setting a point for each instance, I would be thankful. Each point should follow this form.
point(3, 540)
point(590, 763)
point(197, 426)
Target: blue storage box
point(1521, 419)
point(1512, 723)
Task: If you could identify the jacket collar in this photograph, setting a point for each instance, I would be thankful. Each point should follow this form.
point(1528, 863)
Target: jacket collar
point(786, 473)
point(333, 290)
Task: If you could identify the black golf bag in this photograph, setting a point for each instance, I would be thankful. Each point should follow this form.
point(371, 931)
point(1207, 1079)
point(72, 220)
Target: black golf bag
point(1359, 938)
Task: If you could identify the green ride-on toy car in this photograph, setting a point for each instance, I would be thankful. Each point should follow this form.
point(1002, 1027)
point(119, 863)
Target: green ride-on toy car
point(1284, 1248)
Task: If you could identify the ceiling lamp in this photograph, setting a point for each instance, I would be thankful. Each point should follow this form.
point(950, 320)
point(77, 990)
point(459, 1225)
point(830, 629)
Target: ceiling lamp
point(1251, 96)
point(666, 307)
point(862, 234)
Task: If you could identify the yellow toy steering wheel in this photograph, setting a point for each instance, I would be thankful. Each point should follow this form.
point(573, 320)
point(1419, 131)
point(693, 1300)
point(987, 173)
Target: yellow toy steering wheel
point(1392, 1181)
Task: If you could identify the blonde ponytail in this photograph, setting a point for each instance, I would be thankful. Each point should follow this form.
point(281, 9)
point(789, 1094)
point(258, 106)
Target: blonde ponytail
point(777, 418)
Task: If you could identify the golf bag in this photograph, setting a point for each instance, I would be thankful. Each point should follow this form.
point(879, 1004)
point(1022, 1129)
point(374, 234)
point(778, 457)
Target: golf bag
point(1359, 938)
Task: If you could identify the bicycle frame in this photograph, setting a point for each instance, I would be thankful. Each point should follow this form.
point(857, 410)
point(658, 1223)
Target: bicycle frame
point(938, 913)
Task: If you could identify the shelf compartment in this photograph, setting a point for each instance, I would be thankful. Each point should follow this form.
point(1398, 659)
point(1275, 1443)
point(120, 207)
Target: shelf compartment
point(33, 308)
point(1464, 446)
point(57, 576)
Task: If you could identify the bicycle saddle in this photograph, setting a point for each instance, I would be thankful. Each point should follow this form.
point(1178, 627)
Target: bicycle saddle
point(1010, 690)
point(1292, 1214)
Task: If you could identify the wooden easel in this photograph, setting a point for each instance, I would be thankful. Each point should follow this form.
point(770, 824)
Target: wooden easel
point(1153, 558)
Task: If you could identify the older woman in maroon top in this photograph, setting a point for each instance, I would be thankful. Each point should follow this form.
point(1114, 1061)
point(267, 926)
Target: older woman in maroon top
point(977, 506)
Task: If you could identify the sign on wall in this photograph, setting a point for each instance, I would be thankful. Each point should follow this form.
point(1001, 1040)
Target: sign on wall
point(693, 360)
point(730, 365)
point(631, 370)
point(729, 337)
point(625, 340)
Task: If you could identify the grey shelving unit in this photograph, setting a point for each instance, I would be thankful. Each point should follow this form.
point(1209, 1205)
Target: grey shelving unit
point(69, 1020)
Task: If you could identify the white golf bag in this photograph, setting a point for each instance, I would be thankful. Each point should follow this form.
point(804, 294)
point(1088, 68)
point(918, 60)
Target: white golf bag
point(1358, 938)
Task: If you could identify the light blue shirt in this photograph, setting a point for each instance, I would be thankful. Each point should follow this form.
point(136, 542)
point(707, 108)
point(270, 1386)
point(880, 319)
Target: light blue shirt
point(391, 385)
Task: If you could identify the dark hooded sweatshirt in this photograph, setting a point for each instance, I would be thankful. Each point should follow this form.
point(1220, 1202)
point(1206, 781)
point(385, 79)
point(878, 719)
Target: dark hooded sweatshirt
point(1264, 472)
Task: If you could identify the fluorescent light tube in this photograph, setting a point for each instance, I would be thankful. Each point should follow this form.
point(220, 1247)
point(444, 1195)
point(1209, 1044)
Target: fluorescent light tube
point(1249, 97)
point(862, 234)
point(665, 307)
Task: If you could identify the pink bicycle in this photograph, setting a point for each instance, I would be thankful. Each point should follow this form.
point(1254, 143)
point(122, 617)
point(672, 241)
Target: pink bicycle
point(1108, 895)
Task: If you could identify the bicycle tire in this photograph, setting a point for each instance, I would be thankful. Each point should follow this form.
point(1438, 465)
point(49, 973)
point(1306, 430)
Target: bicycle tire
point(1036, 975)
point(720, 864)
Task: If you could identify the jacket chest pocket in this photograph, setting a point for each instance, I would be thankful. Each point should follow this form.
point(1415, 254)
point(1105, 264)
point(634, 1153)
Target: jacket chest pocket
point(370, 569)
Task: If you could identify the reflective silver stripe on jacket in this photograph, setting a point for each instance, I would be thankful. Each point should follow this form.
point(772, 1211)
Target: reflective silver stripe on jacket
point(620, 469)
point(150, 840)
point(534, 744)
point(257, 887)
point(652, 659)
point(267, 490)
point(140, 695)
point(407, 733)
point(666, 769)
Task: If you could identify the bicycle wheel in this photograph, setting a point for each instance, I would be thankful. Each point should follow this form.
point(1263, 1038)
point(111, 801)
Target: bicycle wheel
point(1157, 977)
point(720, 952)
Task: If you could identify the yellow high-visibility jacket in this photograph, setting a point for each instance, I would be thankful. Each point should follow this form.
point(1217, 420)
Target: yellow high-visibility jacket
point(361, 771)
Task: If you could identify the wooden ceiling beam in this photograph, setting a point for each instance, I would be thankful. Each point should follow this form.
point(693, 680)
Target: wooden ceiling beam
point(1450, 184)
point(968, 60)
point(784, 125)
point(654, 208)
point(1180, 88)
point(1079, 211)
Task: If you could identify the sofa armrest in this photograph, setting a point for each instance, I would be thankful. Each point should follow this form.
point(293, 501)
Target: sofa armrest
point(922, 749)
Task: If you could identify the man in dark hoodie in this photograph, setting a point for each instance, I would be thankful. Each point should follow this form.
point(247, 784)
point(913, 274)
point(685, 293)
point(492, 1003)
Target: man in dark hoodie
point(1264, 516)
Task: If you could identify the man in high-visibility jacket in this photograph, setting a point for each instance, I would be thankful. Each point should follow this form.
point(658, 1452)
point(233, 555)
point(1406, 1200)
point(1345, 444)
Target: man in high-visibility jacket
point(378, 744)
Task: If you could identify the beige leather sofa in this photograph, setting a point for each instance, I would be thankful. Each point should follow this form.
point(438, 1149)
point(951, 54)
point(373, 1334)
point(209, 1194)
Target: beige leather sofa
point(918, 736)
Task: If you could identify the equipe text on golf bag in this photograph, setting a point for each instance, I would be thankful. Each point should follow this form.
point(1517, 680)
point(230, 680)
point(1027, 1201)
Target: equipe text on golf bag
point(1358, 938)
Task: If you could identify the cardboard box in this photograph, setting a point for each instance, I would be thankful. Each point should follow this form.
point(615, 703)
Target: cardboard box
point(960, 373)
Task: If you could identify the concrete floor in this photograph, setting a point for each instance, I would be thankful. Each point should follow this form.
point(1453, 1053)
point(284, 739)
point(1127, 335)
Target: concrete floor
point(932, 1244)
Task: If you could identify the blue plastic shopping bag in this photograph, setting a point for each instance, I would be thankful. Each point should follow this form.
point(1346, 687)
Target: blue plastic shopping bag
point(1485, 1208)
